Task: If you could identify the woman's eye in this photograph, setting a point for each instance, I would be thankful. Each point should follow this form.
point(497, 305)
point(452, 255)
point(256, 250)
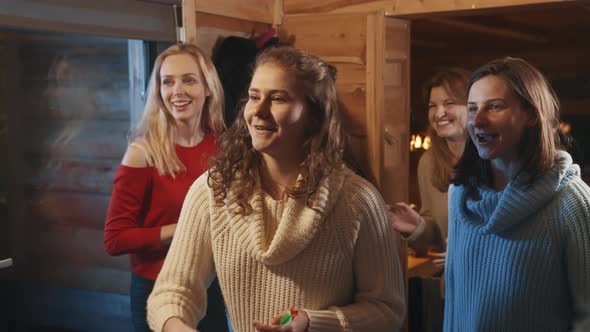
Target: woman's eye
point(472, 109)
point(190, 81)
point(278, 99)
point(449, 103)
point(167, 82)
point(253, 97)
point(495, 107)
point(431, 106)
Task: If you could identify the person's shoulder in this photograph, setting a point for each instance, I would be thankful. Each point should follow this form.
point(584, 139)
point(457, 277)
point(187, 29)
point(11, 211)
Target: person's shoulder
point(575, 196)
point(424, 163)
point(137, 154)
point(426, 157)
point(200, 191)
point(358, 188)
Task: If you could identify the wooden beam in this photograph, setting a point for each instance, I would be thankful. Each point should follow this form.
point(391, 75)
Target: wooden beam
point(495, 31)
point(421, 7)
point(374, 56)
point(336, 6)
point(189, 22)
point(265, 11)
point(344, 59)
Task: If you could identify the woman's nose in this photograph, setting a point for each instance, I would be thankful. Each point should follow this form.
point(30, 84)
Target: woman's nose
point(439, 112)
point(178, 88)
point(262, 108)
point(480, 119)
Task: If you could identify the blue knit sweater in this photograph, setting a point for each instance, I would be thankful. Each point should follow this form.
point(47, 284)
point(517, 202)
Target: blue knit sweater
point(519, 259)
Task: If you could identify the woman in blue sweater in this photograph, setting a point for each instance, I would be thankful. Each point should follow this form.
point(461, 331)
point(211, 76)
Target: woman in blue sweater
point(519, 214)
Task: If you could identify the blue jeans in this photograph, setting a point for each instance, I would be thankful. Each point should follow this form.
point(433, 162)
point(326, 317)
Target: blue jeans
point(215, 319)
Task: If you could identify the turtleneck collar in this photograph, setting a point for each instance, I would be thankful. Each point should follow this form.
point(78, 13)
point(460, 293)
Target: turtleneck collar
point(297, 226)
point(494, 212)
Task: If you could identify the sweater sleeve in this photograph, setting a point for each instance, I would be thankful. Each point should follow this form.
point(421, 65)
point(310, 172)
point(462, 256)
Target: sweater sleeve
point(123, 233)
point(450, 260)
point(379, 301)
point(181, 287)
point(578, 253)
point(426, 233)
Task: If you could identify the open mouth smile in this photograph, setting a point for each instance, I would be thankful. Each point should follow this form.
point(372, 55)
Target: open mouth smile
point(181, 103)
point(483, 139)
point(265, 128)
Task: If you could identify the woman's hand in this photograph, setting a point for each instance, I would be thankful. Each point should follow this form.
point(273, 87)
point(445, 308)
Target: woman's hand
point(438, 258)
point(167, 234)
point(404, 219)
point(299, 324)
point(175, 324)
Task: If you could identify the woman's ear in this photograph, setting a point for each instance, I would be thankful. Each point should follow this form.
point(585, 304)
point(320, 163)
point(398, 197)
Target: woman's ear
point(532, 118)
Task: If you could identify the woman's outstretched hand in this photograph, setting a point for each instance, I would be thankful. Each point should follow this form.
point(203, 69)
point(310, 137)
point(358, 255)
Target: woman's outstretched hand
point(404, 219)
point(298, 324)
point(438, 258)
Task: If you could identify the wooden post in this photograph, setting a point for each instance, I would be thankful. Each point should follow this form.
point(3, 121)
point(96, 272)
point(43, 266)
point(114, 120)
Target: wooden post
point(189, 22)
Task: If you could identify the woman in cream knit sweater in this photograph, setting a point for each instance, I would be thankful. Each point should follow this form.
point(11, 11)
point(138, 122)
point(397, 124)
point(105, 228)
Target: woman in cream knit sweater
point(281, 221)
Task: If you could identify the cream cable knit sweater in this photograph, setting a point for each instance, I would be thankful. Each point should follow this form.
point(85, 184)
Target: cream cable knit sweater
point(338, 261)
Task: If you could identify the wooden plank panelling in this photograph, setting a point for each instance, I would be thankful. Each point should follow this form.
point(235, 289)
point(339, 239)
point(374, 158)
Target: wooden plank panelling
point(211, 29)
point(335, 6)
point(189, 22)
point(374, 104)
point(354, 119)
point(422, 7)
point(80, 139)
point(205, 20)
point(82, 176)
point(69, 208)
point(342, 40)
point(77, 247)
point(72, 124)
point(251, 10)
point(396, 112)
point(344, 35)
point(351, 85)
point(350, 75)
point(78, 103)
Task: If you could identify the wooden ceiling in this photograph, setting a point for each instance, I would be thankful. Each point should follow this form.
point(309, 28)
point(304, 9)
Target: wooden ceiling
point(555, 39)
point(517, 30)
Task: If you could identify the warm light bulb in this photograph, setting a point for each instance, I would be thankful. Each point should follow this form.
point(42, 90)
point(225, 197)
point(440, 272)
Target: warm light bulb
point(418, 142)
point(565, 127)
point(426, 144)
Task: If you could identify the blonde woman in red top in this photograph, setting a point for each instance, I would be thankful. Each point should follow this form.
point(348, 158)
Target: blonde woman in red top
point(169, 149)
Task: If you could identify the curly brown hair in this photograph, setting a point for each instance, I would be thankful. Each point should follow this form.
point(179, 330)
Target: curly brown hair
point(238, 163)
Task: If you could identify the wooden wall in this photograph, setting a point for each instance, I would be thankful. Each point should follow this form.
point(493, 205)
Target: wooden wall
point(206, 23)
point(68, 134)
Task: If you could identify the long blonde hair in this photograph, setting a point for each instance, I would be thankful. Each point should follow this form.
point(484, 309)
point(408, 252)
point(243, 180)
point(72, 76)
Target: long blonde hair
point(454, 81)
point(157, 128)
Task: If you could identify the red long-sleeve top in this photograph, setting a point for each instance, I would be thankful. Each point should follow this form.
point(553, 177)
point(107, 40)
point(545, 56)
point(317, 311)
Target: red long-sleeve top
point(143, 201)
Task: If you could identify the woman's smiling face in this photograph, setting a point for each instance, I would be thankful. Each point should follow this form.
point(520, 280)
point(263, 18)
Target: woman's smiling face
point(445, 115)
point(182, 87)
point(496, 121)
point(276, 112)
